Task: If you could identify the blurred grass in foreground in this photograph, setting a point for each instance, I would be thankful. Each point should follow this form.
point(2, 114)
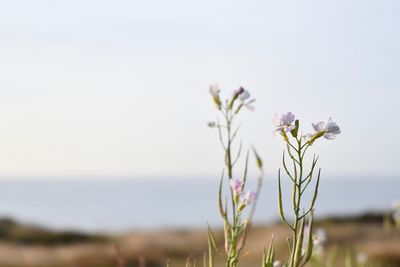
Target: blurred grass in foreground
point(31, 246)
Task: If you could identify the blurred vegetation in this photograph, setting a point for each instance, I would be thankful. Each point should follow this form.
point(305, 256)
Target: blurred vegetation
point(348, 237)
point(11, 231)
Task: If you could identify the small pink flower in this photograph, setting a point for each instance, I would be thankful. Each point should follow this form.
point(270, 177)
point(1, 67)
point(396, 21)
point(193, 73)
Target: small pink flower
point(249, 198)
point(236, 185)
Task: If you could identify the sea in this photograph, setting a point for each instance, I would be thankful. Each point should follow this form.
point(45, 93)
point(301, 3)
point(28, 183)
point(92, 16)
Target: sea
point(122, 204)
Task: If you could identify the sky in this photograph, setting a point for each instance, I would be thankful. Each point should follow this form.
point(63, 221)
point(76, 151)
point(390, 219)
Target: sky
point(120, 88)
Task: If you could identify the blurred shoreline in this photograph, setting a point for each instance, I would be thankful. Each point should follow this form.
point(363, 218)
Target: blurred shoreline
point(118, 205)
point(33, 246)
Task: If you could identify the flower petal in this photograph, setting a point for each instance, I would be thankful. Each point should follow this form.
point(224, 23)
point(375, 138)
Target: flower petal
point(320, 126)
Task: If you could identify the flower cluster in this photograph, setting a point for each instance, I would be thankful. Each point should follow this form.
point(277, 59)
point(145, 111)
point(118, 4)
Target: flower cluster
point(286, 123)
point(245, 198)
point(304, 242)
point(236, 226)
point(240, 94)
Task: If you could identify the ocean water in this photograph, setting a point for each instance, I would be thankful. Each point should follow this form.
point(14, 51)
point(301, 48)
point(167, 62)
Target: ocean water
point(123, 204)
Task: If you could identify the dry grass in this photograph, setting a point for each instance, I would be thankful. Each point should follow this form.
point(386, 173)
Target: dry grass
point(152, 249)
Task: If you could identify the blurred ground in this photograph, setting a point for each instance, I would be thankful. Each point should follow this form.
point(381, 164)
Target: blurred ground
point(35, 247)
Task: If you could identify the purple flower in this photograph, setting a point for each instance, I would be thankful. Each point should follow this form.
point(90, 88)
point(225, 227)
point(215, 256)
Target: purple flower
point(239, 91)
point(332, 130)
point(249, 197)
point(244, 95)
point(236, 185)
point(284, 122)
point(329, 130)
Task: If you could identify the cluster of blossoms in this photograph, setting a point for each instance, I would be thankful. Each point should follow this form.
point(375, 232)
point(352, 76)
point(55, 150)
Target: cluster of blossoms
point(241, 94)
point(304, 240)
point(235, 226)
point(242, 199)
point(286, 123)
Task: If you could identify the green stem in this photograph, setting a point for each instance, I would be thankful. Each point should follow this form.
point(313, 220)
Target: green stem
point(231, 260)
point(297, 194)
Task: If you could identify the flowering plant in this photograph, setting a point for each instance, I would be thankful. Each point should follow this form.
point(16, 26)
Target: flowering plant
point(303, 240)
point(235, 227)
point(301, 244)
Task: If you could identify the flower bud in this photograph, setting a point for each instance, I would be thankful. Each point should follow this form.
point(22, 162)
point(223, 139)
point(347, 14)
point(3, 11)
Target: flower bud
point(214, 91)
point(212, 124)
point(235, 96)
point(295, 130)
point(259, 161)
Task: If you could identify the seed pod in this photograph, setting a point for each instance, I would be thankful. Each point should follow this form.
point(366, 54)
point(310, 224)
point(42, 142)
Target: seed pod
point(299, 244)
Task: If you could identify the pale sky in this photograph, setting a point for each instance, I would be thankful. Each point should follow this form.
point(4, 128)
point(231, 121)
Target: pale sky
point(120, 88)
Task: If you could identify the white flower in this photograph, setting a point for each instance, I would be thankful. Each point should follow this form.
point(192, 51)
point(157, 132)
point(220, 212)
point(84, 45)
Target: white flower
point(249, 198)
point(396, 211)
point(396, 216)
point(284, 122)
point(318, 240)
point(396, 204)
point(214, 90)
point(277, 263)
point(319, 237)
point(362, 258)
point(329, 130)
